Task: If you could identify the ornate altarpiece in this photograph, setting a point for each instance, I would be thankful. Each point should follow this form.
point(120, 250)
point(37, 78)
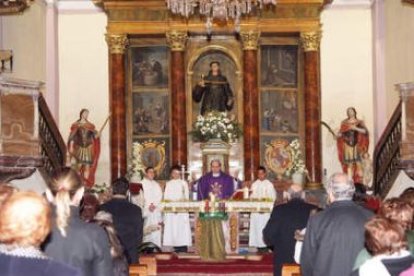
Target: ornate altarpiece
point(290, 30)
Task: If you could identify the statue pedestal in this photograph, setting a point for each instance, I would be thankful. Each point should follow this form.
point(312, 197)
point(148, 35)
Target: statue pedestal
point(215, 149)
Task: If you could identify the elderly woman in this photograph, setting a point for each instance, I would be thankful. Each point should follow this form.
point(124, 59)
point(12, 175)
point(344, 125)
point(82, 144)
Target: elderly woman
point(398, 211)
point(24, 224)
point(387, 243)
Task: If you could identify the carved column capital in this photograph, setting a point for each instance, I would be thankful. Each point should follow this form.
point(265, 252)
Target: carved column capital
point(310, 41)
point(177, 40)
point(117, 43)
point(250, 40)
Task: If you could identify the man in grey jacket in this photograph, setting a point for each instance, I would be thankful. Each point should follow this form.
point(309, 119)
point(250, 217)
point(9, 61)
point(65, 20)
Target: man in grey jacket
point(336, 235)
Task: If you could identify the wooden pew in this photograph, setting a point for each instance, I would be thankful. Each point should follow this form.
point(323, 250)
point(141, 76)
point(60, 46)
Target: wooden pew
point(290, 270)
point(150, 262)
point(138, 270)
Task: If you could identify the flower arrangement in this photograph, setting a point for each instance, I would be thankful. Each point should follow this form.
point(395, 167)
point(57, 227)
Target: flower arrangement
point(216, 125)
point(136, 168)
point(298, 165)
point(100, 188)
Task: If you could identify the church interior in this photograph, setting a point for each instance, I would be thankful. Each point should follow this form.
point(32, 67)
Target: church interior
point(212, 93)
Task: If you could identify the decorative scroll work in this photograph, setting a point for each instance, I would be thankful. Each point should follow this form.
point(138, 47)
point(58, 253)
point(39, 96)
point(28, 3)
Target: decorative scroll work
point(177, 40)
point(117, 43)
point(310, 41)
point(250, 40)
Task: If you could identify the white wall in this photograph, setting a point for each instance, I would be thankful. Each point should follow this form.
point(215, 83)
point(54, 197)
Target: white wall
point(346, 73)
point(25, 34)
point(83, 75)
point(399, 49)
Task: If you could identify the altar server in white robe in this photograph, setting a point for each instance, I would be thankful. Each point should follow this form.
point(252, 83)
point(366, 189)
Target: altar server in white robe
point(177, 231)
point(152, 208)
point(262, 188)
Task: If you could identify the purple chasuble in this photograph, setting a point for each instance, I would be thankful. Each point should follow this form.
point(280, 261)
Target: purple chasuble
point(222, 186)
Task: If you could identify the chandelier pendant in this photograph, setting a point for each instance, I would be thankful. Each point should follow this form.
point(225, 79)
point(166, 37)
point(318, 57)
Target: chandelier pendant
point(222, 10)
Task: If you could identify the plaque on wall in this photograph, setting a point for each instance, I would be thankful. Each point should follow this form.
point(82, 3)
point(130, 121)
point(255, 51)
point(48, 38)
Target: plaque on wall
point(156, 155)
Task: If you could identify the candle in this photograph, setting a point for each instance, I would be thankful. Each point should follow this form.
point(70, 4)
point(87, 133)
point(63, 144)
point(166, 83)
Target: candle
point(245, 192)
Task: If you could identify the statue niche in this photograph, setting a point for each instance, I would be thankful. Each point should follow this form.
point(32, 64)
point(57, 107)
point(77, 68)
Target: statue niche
point(209, 91)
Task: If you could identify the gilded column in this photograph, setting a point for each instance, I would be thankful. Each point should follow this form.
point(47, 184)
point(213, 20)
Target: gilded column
point(251, 136)
point(117, 44)
point(177, 40)
point(313, 149)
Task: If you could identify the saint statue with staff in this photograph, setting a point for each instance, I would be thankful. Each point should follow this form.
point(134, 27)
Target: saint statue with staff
point(84, 147)
point(213, 91)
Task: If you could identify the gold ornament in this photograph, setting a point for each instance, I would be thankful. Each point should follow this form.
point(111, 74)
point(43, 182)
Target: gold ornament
point(117, 43)
point(250, 40)
point(176, 40)
point(310, 41)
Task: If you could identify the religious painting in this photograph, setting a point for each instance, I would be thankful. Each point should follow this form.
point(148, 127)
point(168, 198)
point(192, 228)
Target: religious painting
point(150, 113)
point(155, 154)
point(214, 84)
point(150, 66)
point(276, 155)
point(279, 66)
point(279, 111)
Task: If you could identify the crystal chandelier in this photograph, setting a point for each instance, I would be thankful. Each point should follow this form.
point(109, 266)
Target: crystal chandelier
point(222, 10)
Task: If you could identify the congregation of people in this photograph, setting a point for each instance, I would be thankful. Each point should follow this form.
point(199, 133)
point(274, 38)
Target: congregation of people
point(67, 232)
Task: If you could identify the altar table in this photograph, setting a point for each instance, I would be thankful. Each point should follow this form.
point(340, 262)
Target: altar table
point(238, 219)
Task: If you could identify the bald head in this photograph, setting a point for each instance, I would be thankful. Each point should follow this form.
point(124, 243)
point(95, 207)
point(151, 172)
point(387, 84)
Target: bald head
point(340, 187)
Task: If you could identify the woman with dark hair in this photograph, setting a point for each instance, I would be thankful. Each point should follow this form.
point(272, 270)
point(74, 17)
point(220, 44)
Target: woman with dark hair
point(73, 241)
point(387, 243)
point(24, 224)
point(119, 261)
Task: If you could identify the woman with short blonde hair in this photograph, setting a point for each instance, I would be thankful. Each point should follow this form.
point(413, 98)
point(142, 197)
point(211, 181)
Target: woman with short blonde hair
point(24, 224)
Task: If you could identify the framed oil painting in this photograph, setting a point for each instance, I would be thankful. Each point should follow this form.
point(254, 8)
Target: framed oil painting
point(150, 113)
point(150, 66)
point(279, 112)
point(279, 66)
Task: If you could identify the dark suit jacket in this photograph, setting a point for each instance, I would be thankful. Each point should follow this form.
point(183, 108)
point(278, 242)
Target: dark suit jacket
point(128, 224)
point(333, 239)
point(280, 230)
point(86, 246)
point(22, 266)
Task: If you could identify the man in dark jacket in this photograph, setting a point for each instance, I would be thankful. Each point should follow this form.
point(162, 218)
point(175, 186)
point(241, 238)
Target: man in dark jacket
point(280, 229)
point(127, 218)
point(334, 236)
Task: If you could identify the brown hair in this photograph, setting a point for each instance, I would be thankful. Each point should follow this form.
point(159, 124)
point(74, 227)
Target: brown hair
point(25, 220)
point(6, 191)
point(65, 183)
point(408, 195)
point(383, 236)
point(399, 211)
point(104, 219)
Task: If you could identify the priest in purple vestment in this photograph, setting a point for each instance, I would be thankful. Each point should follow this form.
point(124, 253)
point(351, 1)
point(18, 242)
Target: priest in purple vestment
point(216, 182)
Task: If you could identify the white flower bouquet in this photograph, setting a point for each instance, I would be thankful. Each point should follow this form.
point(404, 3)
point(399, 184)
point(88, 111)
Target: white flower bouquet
point(215, 125)
point(136, 168)
point(298, 165)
